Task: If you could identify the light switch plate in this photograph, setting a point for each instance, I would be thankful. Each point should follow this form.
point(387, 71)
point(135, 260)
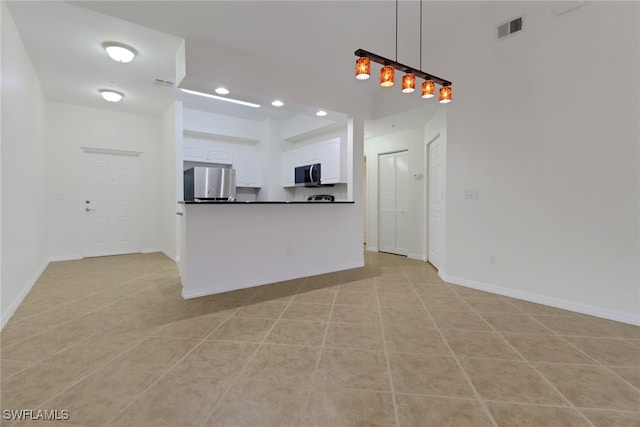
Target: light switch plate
point(472, 193)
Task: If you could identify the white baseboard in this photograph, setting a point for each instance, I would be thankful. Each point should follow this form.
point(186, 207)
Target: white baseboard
point(201, 292)
point(605, 313)
point(173, 257)
point(23, 293)
point(150, 250)
point(72, 257)
point(372, 248)
point(419, 257)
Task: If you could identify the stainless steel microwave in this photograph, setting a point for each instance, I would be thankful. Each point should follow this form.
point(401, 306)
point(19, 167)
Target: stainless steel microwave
point(308, 175)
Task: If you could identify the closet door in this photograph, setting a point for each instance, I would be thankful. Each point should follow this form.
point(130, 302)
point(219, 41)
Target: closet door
point(393, 202)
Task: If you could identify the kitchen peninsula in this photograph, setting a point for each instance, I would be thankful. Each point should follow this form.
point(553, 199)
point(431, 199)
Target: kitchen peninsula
point(228, 246)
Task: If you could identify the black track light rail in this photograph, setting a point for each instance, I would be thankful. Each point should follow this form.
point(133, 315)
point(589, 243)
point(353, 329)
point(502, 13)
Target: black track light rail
point(401, 67)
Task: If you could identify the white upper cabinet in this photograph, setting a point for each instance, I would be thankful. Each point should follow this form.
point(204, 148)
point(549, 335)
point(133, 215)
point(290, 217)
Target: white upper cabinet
point(331, 161)
point(243, 157)
point(328, 153)
point(308, 155)
point(206, 151)
point(248, 168)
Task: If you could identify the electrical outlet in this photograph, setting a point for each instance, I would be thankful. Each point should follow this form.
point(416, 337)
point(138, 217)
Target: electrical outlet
point(492, 259)
point(288, 250)
point(472, 193)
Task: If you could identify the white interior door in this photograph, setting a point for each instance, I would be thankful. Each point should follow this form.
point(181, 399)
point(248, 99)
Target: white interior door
point(109, 204)
point(393, 203)
point(436, 199)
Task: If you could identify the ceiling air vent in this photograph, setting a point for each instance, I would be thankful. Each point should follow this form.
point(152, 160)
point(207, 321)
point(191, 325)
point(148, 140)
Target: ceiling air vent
point(509, 28)
point(163, 82)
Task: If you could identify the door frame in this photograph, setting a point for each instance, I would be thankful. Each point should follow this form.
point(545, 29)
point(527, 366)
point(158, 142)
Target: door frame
point(83, 189)
point(427, 143)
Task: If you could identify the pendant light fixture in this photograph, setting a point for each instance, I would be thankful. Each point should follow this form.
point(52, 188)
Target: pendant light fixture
point(363, 70)
point(428, 89)
point(408, 83)
point(445, 94)
point(386, 76)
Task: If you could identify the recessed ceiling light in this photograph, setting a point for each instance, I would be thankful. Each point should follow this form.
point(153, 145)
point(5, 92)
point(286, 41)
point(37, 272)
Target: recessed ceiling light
point(277, 103)
point(119, 52)
point(111, 95)
point(221, 98)
point(321, 113)
point(222, 91)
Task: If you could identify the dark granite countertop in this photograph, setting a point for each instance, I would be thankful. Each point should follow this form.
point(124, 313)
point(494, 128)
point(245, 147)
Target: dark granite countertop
point(273, 202)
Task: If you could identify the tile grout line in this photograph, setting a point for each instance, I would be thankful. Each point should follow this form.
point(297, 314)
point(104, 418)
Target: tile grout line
point(386, 355)
point(608, 368)
point(76, 300)
point(251, 357)
point(455, 357)
point(322, 347)
point(92, 369)
point(167, 370)
point(531, 365)
point(596, 362)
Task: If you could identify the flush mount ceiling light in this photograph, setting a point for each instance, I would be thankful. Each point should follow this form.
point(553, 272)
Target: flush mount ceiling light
point(222, 91)
point(363, 70)
point(111, 95)
point(277, 103)
point(221, 98)
point(321, 113)
point(119, 52)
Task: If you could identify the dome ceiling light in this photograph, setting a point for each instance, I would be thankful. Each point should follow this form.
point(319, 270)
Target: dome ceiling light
point(111, 95)
point(119, 52)
point(363, 70)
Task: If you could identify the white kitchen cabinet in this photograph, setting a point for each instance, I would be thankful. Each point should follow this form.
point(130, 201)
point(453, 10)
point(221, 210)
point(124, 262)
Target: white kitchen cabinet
point(308, 155)
point(331, 161)
point(328, 153)
point(248, 169)
point(206, 151)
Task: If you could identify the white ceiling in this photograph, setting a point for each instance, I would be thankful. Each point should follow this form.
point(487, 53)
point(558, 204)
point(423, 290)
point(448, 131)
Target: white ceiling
point(312, 43)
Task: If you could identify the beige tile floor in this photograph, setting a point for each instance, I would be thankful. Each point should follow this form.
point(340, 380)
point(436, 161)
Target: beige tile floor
point(111, 341)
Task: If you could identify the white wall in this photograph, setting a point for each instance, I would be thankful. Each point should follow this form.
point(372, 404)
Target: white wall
point(171, 179)
point(249, 245)
point(222, 125)
point(23, 156)
point(70, 127)
point(545, 124)
point(412, 141)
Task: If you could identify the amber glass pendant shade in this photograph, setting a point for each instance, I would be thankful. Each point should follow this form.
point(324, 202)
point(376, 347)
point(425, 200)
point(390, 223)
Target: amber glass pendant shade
point(445, 94)
point(408, 83)
point(363, 68)
point(386, 76)
point(428, 89)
